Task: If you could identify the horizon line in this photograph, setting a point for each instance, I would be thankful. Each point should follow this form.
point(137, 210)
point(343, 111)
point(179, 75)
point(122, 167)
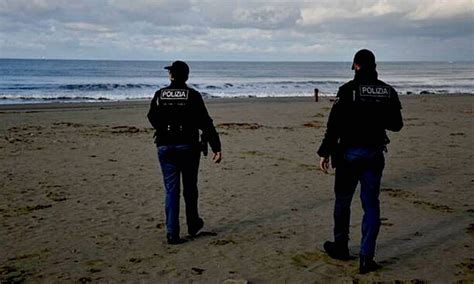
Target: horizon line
point(242, 61)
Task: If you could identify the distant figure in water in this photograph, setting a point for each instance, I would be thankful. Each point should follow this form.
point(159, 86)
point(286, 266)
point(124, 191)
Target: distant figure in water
point(177, 113)
point(355, 139)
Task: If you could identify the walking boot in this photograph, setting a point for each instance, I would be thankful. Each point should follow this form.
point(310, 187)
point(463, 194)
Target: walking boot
point(193, 229)
point(337, 250)
point(174, 239)
point(367, 264)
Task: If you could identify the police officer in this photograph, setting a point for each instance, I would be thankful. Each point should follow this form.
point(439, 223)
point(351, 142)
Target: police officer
point(355, 139)
point(177, 113)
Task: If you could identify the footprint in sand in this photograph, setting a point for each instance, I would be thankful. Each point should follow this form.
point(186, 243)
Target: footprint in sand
point(399, 193)
point(470, 230)
point(29, 209)
point(434, 206)
point(305, 260)
point(467, 267)
point(385, 223)
point(197, 270)
point(392, 192)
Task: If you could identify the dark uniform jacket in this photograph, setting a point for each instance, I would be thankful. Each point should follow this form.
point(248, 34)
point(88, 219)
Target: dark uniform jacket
point(365, 107)
point(177, 113)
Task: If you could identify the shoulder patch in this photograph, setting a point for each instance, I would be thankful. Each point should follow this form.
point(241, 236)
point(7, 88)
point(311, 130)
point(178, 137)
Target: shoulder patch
point(174, 94)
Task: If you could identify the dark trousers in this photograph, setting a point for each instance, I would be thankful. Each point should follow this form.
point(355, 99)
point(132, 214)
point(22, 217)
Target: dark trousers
point(177, 160)
point(364, 165)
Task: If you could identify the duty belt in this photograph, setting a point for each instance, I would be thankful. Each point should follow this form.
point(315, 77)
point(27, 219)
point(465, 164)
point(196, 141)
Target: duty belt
point(174, 128)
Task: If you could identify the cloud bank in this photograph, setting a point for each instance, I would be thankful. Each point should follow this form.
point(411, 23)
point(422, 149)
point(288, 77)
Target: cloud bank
point(237, 30)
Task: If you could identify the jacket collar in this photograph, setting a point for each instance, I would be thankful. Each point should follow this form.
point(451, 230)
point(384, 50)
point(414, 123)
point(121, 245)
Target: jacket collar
point(174, 84)
point(366, 75)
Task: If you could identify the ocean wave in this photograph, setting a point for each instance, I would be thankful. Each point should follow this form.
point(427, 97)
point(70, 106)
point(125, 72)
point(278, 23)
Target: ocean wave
point(238, 86)
point(328, 86)
point(77, 87)
point(59, 98)
point(105, 87)
point(309, 82)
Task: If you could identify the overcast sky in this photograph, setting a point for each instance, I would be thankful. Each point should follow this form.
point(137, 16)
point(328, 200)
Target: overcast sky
point(326, 30)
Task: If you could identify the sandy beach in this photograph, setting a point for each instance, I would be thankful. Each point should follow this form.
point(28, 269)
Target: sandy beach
point(82, 196)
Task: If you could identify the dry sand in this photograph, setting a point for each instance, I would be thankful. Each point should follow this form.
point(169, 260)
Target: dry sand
point(82, 196)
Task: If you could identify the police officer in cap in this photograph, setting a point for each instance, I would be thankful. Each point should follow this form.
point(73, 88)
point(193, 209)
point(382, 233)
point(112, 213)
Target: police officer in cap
point(177, 113)
point(355, 139)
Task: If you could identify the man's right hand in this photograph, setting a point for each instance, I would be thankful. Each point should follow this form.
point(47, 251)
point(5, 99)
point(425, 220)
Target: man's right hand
point(217, 157)
point(324, 164)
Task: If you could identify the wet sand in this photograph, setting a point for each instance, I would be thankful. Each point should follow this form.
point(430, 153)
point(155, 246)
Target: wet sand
point(82, 196)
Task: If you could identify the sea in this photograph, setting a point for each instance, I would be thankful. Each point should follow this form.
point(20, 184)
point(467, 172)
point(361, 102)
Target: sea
point(68, 81)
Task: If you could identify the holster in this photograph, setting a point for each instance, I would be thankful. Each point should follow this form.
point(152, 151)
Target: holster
point(337, 155)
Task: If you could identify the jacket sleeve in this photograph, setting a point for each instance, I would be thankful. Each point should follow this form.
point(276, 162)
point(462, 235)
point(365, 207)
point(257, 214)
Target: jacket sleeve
point(206, 124)
point(153, 113)
point(332, 135)
point(394, 119)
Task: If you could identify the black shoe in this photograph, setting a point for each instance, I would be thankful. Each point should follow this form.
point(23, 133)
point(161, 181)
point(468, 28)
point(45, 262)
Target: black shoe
point(174, 240)
point(337, 250)
point(194, 228)
point(367, 264)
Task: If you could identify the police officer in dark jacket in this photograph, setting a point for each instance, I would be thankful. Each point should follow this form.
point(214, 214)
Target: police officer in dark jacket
point(355, 140)
point(177, 113)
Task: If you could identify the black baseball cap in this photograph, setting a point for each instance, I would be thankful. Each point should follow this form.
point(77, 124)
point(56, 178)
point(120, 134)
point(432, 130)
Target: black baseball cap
point(179, 69)
point(365, 58)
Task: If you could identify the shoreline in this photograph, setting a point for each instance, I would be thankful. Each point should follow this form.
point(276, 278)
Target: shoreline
point(52, 106)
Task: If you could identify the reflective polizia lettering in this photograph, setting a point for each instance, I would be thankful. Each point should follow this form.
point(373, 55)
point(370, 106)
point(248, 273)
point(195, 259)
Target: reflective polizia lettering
point(374, 91)
point(174, 94)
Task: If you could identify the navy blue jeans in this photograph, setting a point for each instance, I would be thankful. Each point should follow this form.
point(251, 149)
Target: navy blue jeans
point(364, 165)
point(177, 160)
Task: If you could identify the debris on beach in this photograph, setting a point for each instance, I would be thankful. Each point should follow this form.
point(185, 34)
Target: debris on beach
point(235, 281)
point(314, 124)
point(125, 129)
point(239, 125)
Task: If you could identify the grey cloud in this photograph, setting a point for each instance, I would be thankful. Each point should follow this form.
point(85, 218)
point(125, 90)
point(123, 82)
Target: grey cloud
point(61, 10)
point(394, 26)
point(150, 29)
point(264, 17)
point(256, 14)
point(160, 13)
point(107, 13)
point(383, 18)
